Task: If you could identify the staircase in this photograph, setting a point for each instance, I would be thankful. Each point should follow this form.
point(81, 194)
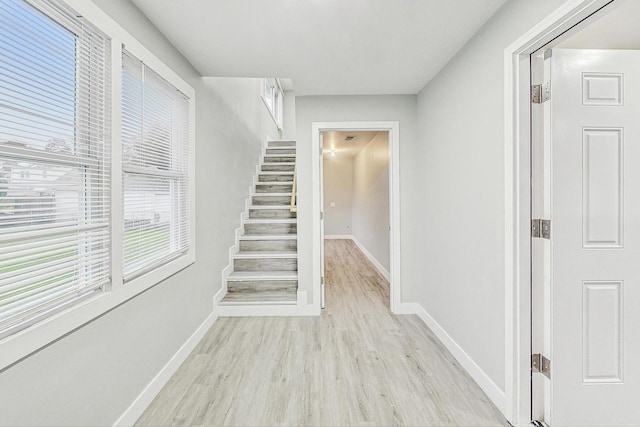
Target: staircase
point(265, 265)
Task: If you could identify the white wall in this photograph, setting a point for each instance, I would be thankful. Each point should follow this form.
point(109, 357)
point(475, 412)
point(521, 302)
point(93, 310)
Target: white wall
point(458, 189)
point(371, 199)
point(289, 115)
point(309, 109)
point(92, 375)
point(338, 188)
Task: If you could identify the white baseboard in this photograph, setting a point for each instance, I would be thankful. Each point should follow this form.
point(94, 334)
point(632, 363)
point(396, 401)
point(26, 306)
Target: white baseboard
point(406, 308)
point(374, 261)
point(144, 399)
point(338, 237)
point(487, 385)
point(218, 297)
point(258, 310)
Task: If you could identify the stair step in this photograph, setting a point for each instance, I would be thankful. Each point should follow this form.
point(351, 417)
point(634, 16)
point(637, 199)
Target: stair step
point(265, 261)
point(274, 212)
point(279, 158)
point(268, 237)
point(271, 199)
point(259, 298)
point(261, 255)
point(266, 243)
point(274, 187)
point(271, 221)
point(262, 275)
point(253, 286)
point(275, 177)
point(281, 150)
point(282, 167)
point(281, 143)
point(270, 228)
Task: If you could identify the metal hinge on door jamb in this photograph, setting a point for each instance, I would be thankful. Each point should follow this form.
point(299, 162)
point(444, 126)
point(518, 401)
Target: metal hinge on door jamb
point(540, 93)
point(541, 228)
point(541, 364)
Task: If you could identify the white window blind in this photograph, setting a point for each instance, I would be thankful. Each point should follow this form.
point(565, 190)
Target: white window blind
point(155, 150)
point(54, 161)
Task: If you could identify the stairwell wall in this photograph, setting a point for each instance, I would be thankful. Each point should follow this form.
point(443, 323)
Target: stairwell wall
point(92, 375)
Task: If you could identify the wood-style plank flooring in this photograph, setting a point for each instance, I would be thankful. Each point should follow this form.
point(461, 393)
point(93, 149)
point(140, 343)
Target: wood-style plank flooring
point(356, 364)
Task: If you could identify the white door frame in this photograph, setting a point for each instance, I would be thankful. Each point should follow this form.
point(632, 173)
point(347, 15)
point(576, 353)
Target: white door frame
point(393, 127)
point(517, 142)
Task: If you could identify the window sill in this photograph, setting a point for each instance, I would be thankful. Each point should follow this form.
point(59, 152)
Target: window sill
point(35, 337)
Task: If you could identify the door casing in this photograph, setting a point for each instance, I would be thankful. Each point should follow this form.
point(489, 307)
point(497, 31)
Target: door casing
point(517, 177)
point(393, 127)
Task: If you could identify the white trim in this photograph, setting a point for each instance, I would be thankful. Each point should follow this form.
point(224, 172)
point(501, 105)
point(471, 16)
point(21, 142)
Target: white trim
point(373, 260)
point(487, 385)
point(218, 296)
point(517, 408)
point(338, 237)
point(393, 127)
point(144, 399)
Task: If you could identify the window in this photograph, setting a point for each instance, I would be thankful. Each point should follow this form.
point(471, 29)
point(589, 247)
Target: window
point(273, 98)
point(54, 162)
point(93, 211)
point(155, 153)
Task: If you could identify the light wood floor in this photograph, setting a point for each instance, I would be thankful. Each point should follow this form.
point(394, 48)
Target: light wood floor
point(356, 364)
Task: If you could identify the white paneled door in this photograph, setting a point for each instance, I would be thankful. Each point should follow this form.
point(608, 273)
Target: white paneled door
point(595, 238)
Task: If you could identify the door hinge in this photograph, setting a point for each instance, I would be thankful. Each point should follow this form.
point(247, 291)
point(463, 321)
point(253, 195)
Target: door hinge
point(540, 93)
point(541, 228)
point(541, 364)
point(321, 216)
point(321, 151)
point(322, 280)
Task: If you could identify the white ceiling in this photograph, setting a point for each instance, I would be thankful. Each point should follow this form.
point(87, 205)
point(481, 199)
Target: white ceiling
point(334, 141)
point(327, 47)
point(616, 27)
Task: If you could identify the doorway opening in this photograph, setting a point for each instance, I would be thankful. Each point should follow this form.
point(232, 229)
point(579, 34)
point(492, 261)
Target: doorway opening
point(355, 196)
point(376, 140)
point(570, 83)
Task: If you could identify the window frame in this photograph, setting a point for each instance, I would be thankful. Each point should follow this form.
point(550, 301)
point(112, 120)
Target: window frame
point(275, 102)
point(21, 344)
